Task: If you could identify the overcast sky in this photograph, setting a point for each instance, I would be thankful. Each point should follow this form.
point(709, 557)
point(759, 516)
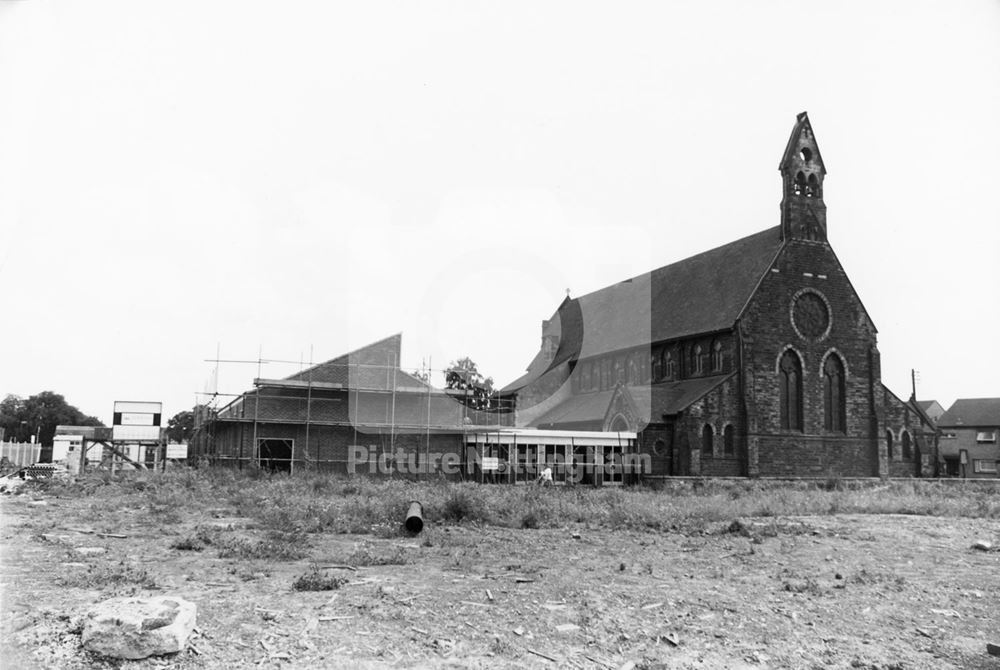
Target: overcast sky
point(303, 180)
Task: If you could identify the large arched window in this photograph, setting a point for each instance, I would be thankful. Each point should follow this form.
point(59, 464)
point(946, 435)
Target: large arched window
point(834, 404)
point(888, 443)
point(728, 442)
point(707, 437)
point(717, 356)
point(790, 390)
point(905, 439)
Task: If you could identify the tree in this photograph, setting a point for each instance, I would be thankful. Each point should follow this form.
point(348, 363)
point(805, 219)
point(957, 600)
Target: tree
point(180, 427)
point(39, 415)
point(463, 374)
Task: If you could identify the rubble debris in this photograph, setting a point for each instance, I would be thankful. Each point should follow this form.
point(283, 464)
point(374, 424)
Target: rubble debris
point(135, 628)
point(545, 656)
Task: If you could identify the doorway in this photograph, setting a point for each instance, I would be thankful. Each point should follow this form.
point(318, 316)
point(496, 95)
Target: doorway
point(275, 454)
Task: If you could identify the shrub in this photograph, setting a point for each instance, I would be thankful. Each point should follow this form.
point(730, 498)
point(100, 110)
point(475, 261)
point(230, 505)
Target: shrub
point(460, 505)
point(316, 580)
point(187, 544)
point(363, 556)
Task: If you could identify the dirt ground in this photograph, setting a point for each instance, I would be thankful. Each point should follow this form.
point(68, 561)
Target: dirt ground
point(842, 591)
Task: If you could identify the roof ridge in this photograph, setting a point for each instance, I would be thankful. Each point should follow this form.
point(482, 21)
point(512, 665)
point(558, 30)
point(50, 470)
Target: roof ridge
point(686, 259)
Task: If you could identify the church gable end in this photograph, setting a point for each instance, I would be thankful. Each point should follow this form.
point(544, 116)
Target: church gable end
point(810, 353)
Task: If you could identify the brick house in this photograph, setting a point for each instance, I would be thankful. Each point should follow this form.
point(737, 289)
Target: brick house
point(968, 442)
point(756, 358)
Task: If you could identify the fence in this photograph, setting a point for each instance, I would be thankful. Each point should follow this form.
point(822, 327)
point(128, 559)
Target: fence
point(23, 453)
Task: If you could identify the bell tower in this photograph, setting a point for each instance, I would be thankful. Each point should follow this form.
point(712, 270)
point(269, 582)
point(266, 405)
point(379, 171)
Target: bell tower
point(803, 212)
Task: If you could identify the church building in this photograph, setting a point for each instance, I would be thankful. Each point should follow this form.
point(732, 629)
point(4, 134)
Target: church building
point(756, 358)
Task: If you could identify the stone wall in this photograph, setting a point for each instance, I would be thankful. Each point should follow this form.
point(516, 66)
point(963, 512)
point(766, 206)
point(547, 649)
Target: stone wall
point(768, 330)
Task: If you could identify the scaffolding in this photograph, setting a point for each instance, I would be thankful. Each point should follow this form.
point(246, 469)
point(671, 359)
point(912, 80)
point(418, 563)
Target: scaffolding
point(301, 422)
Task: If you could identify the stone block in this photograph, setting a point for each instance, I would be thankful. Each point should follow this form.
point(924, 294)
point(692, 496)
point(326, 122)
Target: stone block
point(135, 628)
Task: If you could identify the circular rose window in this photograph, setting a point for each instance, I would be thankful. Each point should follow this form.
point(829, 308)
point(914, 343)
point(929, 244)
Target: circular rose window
point(810, 315)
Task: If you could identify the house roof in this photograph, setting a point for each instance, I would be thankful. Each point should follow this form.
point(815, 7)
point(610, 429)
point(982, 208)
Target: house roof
point(972, 412)
point(700, 294)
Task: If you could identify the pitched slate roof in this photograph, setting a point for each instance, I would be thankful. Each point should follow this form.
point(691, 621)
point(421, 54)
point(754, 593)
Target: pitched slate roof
point(701, 294)
point(972, 412)
point(586, 408)
point(667, 397)
point(675, 397)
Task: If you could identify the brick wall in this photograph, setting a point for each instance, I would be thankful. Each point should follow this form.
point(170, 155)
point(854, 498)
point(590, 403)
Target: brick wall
point(328, 448)
point(898, 418)
point(719, 408)
point(954, 440)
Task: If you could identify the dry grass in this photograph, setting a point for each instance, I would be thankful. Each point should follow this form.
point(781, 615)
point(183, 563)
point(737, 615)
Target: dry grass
point(290, 508)
point(121, 575)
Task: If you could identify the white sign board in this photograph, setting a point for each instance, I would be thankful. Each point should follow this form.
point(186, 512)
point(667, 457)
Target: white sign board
point(491, 463)
point(143, 433)
point(177, 451)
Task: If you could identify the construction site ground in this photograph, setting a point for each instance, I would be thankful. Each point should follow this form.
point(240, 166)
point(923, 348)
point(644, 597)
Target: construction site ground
point(839, 591)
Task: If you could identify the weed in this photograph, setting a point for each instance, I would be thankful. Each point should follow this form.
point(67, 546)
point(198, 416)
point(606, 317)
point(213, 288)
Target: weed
point(529, 519)
point(737, 527)
point(462, 505)
point(501, 647)
point(117, 575)
point(316, 580)
point(187, 544)
point(833, 483)
point(276, 545)
point(363, 556)
point(249, 572)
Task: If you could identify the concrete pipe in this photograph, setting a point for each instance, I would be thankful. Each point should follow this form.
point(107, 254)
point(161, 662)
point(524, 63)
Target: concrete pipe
point(415, 518)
